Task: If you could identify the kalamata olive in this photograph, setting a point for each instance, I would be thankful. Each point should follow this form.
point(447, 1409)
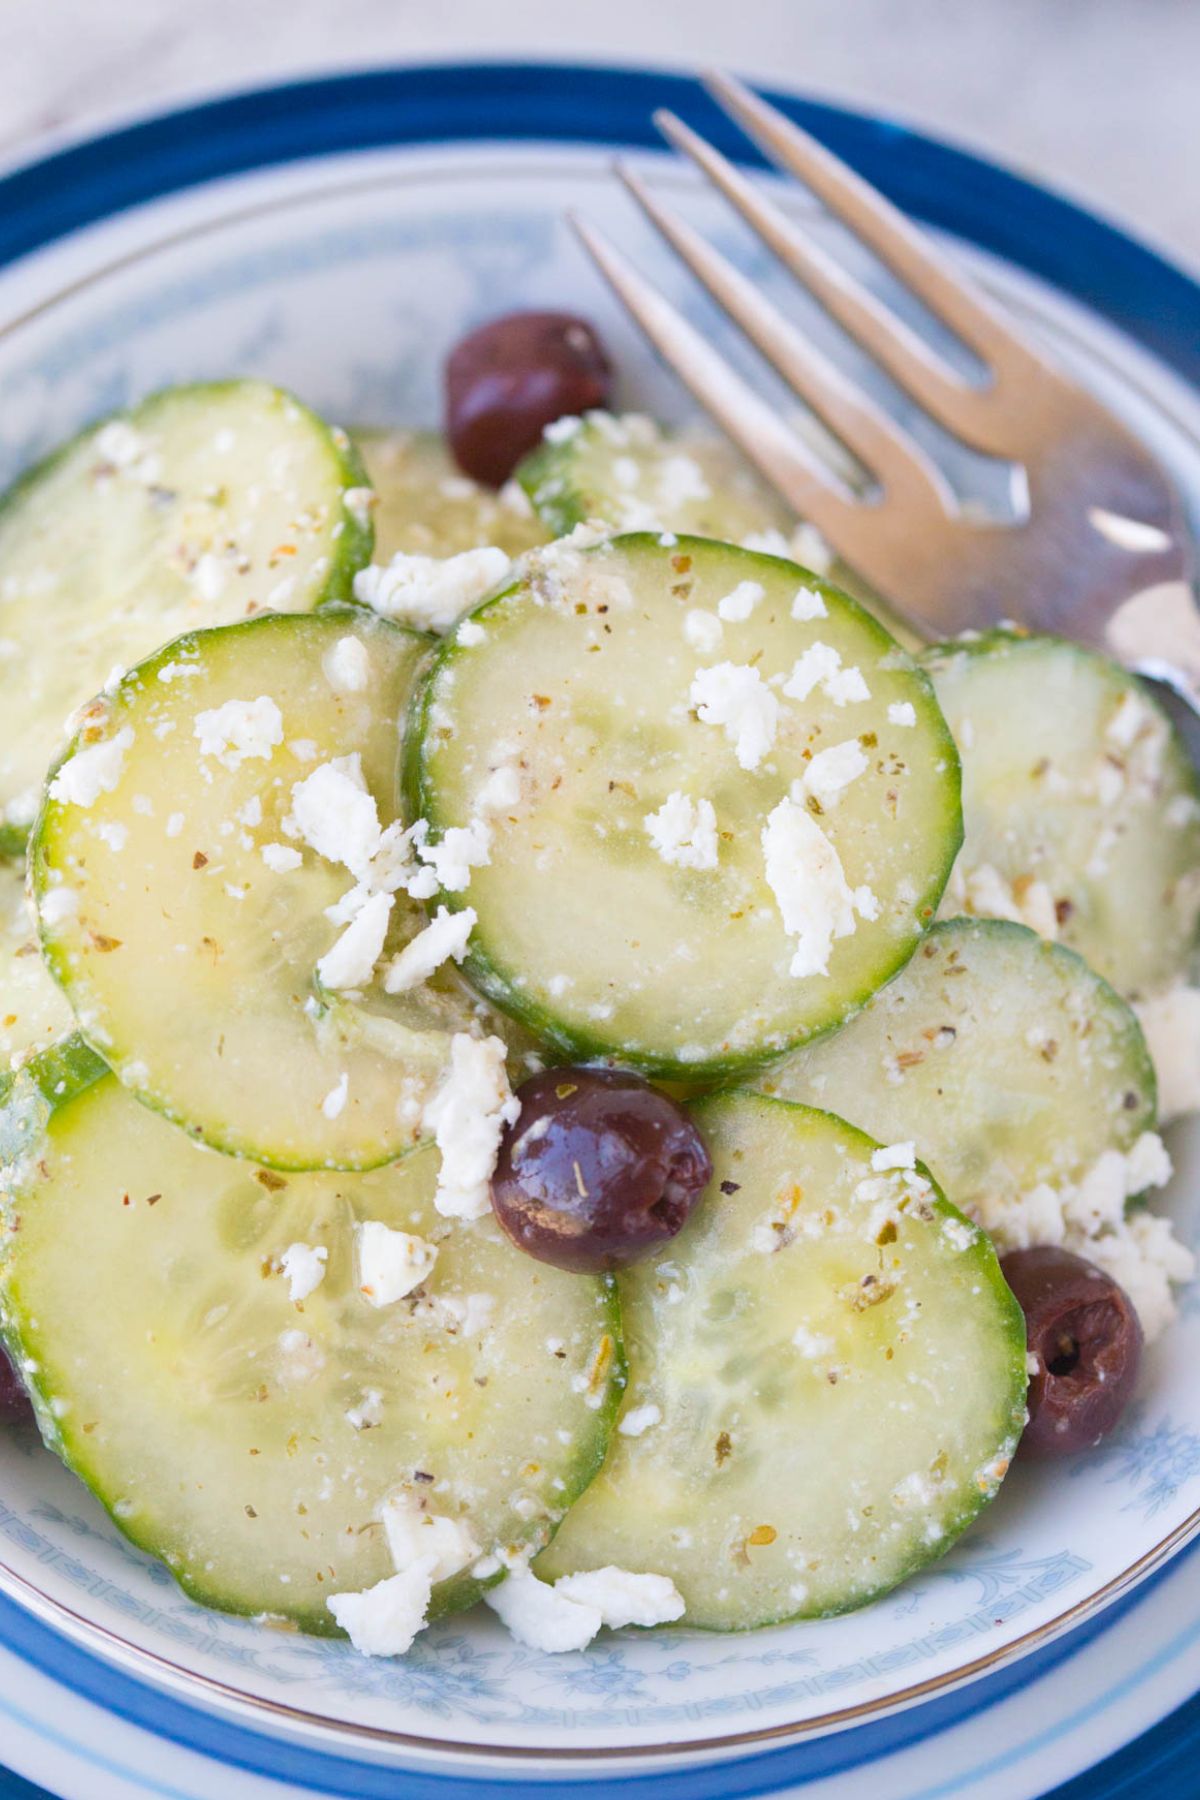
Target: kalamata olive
point(599, 1169)
point(509, 379)
point(1083, 1334)
point(14, 1401)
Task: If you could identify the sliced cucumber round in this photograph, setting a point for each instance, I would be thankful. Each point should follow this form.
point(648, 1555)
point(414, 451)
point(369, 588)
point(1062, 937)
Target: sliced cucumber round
point(838, 1374)
point(631, 475)
point(426, 506)
point(599, 922)
point(249, 1440)
point(1005, 1059)
point(33, 1012)
point(190, 957)
point(1082, 810)
point(201, 506)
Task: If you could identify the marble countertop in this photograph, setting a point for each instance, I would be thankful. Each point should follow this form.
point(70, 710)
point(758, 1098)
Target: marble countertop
point(1097, 97)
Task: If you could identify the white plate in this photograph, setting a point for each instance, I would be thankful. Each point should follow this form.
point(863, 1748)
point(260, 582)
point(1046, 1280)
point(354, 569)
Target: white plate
point(347, 278)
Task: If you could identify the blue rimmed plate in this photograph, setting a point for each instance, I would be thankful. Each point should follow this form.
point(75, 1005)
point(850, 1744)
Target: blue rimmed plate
point(337, 236)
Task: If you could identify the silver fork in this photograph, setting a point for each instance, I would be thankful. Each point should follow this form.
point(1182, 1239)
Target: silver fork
point(1101, 554)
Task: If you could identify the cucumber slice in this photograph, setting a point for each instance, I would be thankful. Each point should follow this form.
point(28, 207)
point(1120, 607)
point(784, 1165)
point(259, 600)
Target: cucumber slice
point(839, 1371)
point(426, 506)
point(201, 506)
point(1007, 1060)
point(33, 1013)
point(221, 1444)
point(627, 472)
point(577, 683)
point(1082, 810)
point(190, 961)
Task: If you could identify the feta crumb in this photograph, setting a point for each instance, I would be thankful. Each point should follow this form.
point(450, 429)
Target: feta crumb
point(810, 1343)
point(639, 1420)
point(736, 696)
point(561, 431)
point(894, 1156)
point(58, 904)
point(303, 1268)
point(806, 877)
point(831, 771)
point(336, 815)
point(684, 832)
point(368, 1414)
point(416, 1536)
point(501, 791)
point(431, 592)
point(385, 1619)
point(391, 1263)
point(116, 836)
point(174, 824)
point(738, 606)
point(902, 712)
point(89, 773)
point(281, 858)
point(821, 666)
point(703, 631)
point(444, 937)
point(624, 1598)
point(334, 1103)
point(540, 1617)
point(808, 605)
point(460, 849)
point(467, 1115)
point(351, 962)
point(471, 633)
point(210, 577)
point(1171, 1023)
point(988, 895)
point(239, 730)
point(347, 666)
point(300, 1358)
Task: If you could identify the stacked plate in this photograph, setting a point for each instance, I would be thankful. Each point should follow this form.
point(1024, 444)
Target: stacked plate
point(336, 237)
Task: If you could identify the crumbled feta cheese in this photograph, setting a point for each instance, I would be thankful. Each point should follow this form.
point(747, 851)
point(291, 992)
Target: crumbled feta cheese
point(639, 1419)
point(210, 577)
point(89, 773)
point(431, 592)
point(1129, 719)
point(467, 1115)
point(684, 832)
point(703, 631)
point(736, 607)
point(831, 771)
point(116, 836)
point(988, 895)
point(1171, 1023)
point(334, 1103)
point(351, 962)
point(894, 1156)
point(736, 696)
point(347, 666)
point(501, 791)
point(121, 444)
point(303, 1268)
point(470, 633)
point(1145, 1258)
point(57, 904)
point(808, 605)
point(460, 849)
point(416, 1536)
point(561, 431)
point(281, 858)
point(804, 872)
point(902, 712)
point(622, 1597)
point(385, 1619)
point(444, 937)
point(240, 729)
point(810, 1343)
point(336, 815)
point(391, 1263)
point(174, 824)
point(301, 1359)
point(821, 666)
point(540, 1617)
point(368, 1414)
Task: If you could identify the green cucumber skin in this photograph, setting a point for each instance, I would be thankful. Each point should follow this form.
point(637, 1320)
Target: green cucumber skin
point(493, 982)
point(60, 1076)
point(990, 1275)
point(543, 476)
point(133, 680)
point(353, 546)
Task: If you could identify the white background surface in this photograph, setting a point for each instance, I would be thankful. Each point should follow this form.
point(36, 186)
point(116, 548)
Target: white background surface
point(1100, 97)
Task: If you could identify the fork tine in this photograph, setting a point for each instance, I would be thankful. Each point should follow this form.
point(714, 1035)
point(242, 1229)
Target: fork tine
point(949, 294)
point(900, 464)
point(744, 415)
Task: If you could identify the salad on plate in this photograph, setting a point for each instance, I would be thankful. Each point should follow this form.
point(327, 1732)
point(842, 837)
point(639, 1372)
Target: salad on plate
point(554, 1056)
